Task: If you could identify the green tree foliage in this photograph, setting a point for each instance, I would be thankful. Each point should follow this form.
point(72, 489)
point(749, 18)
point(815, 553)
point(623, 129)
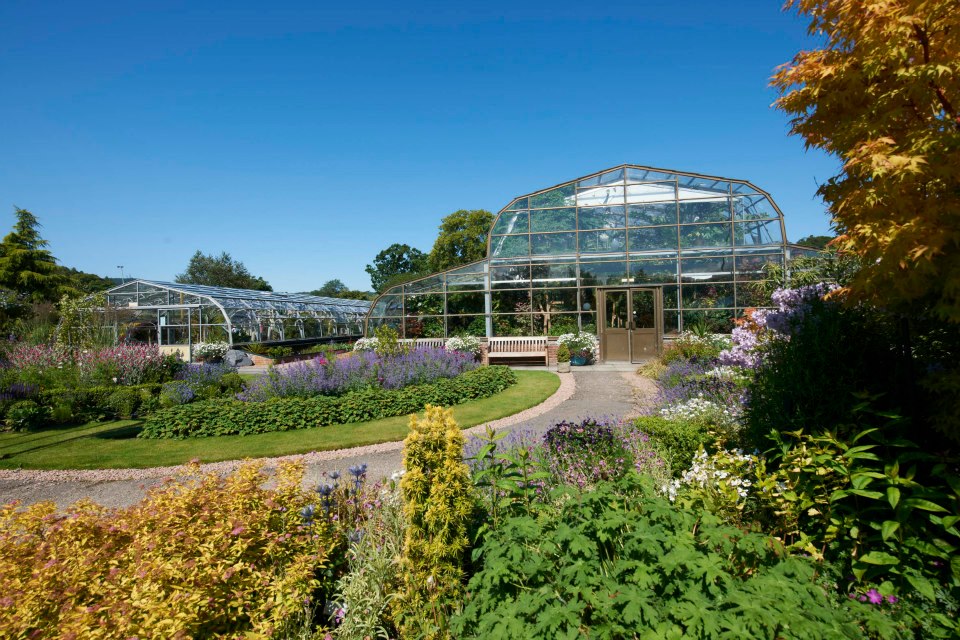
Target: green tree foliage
point(221, 271)
point(462, 239)
point(396, 260)
point(883, 95)
point(438, 506)
point(336, 289)
point(83, 282)
point(28, 270)
point(815, 242)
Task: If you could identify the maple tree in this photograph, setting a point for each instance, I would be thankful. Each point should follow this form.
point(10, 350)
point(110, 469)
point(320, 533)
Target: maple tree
point(883, 94)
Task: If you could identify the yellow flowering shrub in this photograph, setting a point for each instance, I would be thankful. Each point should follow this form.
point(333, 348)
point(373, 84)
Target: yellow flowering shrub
point(213, 557)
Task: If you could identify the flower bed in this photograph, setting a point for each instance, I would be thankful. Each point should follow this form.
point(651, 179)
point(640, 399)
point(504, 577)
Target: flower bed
point(235, 417)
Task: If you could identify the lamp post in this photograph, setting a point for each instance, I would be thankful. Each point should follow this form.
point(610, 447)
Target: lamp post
point(120, 266)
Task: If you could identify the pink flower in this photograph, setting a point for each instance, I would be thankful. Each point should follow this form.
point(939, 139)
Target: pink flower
point(874, 596)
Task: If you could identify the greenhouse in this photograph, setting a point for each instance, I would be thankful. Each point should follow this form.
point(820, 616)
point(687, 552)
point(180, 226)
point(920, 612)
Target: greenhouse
point(632, 254)
point(177, 315)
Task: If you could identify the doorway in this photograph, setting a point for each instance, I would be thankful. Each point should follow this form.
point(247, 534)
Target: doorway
point(630, 324)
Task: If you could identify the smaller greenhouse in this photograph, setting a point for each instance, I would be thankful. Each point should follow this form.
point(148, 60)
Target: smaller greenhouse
point(178, 315)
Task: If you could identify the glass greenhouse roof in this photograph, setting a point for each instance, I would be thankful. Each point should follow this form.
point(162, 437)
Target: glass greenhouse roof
point(246, 298)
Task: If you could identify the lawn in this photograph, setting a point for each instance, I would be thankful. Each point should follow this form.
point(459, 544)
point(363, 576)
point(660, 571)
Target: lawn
point(111, 445)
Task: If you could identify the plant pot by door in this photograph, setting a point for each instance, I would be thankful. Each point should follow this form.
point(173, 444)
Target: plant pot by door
point(563, 367)
point(578, 361)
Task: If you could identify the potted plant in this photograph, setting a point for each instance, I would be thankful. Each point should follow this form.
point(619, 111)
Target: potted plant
point(583, 347)
point(563, 358)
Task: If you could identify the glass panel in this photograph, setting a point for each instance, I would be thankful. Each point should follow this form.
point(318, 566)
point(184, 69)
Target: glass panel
point(705, 211)
point(465, 282)
point(470, 325)
point(754, 207)
point(718, 268)
point(388, 306)
point(671, 322)
point(512, 325)
point(705, 235)
point(671, 297)
point(433, 283)
point(646, 175)
point(465, 302)
point(758, 233)
point(153, 298)
point(604, 241)
point(553, 243)
point(555, 275)
point(754, 267)
point(510, 277)
point(707, 295)
point(511, 222)
point(511, 301)
point(509, 246)
point(603, 273)
point(641, 215)
point(174, 335)
point(654, 271)
point(559, 197)
point(644, 309)
point(554, 220)
point(753, 294)
point(653, 238)
point(519, 203)
point(602, 218)
point(213, 333)
point(559, 324)
point(173, 317)
point(552, 300)
point(652, 192)
point(719, 321)
point(588, 299)
point(588, 323)
point(599, 196)
point(423, 327)
point(615, 307)
point(605, 178)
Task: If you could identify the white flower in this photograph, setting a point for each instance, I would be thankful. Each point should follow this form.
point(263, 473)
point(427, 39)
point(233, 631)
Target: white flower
point(365, 344)
point(463, 344)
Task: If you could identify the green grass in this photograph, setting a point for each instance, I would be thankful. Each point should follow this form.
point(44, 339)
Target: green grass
point(112, 445)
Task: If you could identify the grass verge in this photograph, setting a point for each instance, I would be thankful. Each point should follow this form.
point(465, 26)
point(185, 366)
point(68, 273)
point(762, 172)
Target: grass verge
point(114, 445)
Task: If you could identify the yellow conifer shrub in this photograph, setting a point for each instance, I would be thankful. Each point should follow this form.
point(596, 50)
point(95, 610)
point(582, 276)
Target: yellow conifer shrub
point(213, 558)
point(438, 505)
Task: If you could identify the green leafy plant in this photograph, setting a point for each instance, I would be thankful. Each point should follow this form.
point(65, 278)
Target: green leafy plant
point(620, 562)
point(676, 440)
point(563, 353)
point(233, 417)
point(438, 505)
point(26, 415)
point(387, 342)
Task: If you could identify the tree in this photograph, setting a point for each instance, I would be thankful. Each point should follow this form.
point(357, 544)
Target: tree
point(462, 239)
point(814, 242)
point(336, 289)
point(331, 288)
point(397, 259)
point(220, 271)
point(28, 271)
point(883, 95)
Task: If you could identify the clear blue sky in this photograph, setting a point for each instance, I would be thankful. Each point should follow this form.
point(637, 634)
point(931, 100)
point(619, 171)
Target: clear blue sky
point(304, 137)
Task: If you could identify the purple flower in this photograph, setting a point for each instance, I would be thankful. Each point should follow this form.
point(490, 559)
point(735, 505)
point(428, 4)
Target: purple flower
point(874, 596)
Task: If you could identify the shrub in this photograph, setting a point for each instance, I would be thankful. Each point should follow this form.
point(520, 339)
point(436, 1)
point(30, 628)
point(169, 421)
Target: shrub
point(619, 562)
point(210, 351)
point(676, 440)
point(233, 417)
point(388, 343)
point(26, 415)
point(438, 505)
point(695, 348)
point(216, 557)
point(581, 344)
point(124, 402)
point(360, 371)
point(464, 344)
point(175, 394)
point(563, 353)
point(95, 403)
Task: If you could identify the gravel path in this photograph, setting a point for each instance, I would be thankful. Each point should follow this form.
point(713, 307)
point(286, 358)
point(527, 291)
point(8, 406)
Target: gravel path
point(581, 394)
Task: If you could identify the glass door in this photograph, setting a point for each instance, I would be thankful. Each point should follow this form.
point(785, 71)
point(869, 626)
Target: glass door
point(630, 327)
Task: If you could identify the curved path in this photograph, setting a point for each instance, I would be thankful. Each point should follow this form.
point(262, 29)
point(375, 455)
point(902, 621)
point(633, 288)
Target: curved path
point(581, 394)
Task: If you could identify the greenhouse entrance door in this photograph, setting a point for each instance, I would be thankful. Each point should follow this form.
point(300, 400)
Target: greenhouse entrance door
point(630, 324)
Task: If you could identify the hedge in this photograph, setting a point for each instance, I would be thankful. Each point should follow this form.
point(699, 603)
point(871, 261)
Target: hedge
point(233, 417)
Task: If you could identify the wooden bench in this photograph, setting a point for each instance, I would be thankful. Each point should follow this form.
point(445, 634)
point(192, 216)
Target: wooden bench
point(436, 343)
point(516, 348)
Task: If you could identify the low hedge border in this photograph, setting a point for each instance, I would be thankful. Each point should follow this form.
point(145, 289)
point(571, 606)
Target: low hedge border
point(233, 417)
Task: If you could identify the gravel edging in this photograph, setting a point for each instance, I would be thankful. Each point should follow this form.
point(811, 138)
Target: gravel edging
point(563, 393)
